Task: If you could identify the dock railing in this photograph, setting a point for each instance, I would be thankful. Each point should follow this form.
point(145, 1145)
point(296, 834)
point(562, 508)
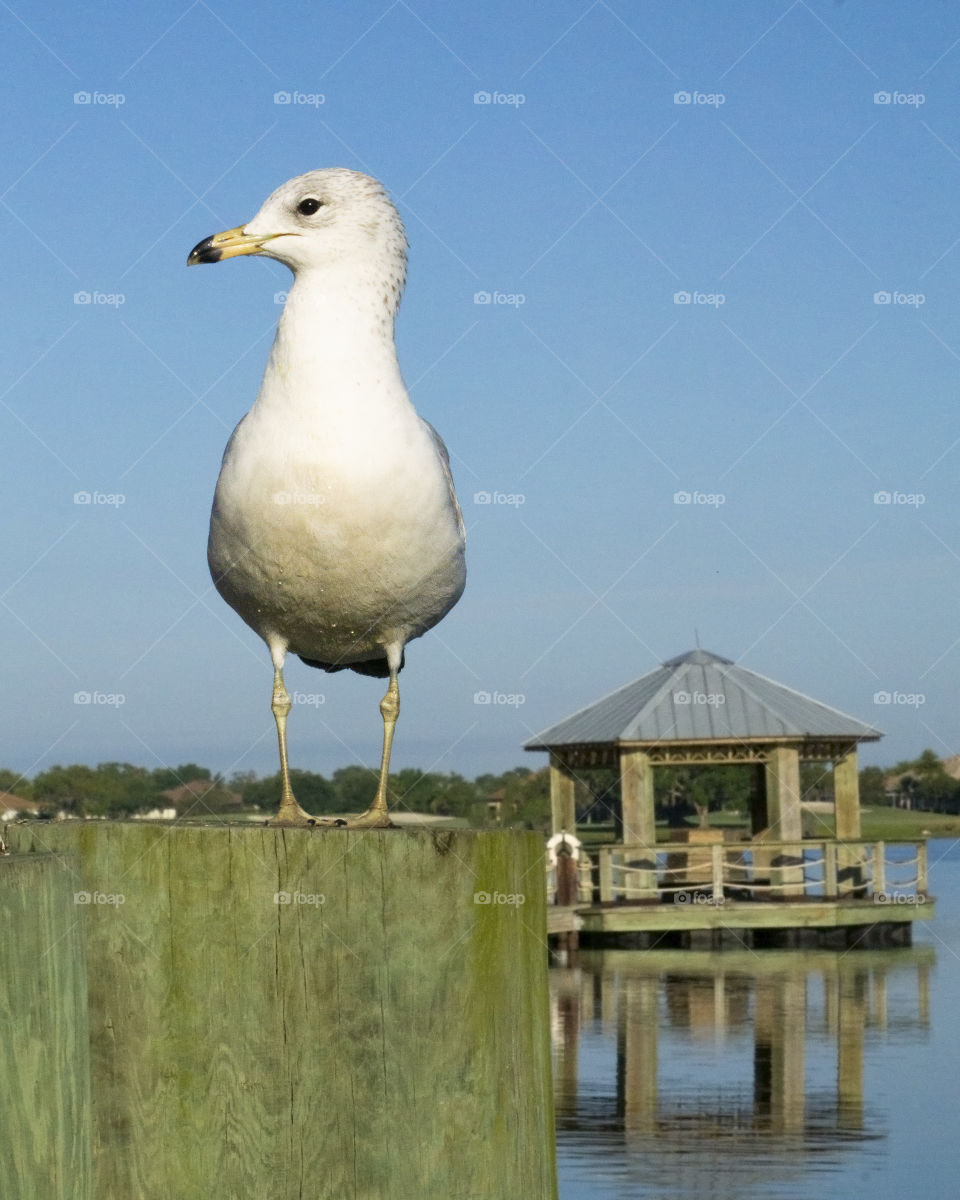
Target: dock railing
point(812, 869)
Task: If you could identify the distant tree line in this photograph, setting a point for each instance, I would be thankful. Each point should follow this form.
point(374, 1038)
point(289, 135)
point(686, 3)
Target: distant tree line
point(517, 797)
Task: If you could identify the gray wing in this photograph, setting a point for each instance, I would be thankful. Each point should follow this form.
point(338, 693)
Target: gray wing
point(444, 456)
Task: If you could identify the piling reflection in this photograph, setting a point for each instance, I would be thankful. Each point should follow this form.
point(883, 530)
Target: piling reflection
point(719, 1067)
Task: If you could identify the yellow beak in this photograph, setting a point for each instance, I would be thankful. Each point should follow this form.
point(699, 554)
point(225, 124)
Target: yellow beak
point(228, 244)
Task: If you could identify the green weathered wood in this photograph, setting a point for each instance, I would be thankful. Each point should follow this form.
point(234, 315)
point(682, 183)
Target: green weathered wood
point(753, 914)
point(44, 1077)
point(388, 1041)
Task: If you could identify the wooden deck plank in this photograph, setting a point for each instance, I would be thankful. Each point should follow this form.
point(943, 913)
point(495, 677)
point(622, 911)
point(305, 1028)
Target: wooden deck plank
point(630, 918)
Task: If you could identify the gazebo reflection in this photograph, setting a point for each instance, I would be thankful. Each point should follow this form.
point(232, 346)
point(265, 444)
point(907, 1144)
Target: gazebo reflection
point(781, 1035)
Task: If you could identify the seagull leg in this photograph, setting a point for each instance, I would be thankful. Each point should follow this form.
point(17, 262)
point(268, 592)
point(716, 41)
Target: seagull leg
point(376, 816)
point(290, 811)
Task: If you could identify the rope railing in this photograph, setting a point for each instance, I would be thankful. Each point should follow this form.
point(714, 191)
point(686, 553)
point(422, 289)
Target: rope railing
point(815, 869)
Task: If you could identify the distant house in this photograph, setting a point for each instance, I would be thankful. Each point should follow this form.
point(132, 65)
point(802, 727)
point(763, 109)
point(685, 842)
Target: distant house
point(202, 795)
point(12, 806)
point(896, 797)
point(488, 810)
point(952, 766)
point(899, 793)
point(494, 803)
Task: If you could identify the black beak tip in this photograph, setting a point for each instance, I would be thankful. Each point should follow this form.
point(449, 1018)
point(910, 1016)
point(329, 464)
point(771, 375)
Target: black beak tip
point(204, 252)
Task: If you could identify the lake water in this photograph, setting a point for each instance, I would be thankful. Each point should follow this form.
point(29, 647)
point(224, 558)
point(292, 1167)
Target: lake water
point(767, 1074)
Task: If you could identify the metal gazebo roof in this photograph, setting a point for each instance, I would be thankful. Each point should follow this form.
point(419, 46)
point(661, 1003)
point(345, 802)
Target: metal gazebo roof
point(701, 696)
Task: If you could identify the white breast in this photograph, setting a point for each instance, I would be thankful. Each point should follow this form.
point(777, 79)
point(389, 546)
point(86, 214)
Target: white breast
point(339, 536)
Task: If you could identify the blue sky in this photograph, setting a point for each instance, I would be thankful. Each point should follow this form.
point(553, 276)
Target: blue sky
point(785, 166)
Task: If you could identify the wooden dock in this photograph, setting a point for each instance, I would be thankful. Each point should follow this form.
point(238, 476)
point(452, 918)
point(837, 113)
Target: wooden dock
point(811, 893)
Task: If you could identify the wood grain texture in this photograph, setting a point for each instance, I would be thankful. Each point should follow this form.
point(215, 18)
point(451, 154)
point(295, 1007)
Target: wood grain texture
point(389, 1040)
point(44, 1079)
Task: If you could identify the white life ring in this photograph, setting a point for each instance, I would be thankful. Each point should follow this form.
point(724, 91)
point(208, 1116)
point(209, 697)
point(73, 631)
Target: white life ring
point(558, 839)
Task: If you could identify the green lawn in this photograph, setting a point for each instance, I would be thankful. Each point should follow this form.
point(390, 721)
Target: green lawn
point(889, 824)
point(877, 824)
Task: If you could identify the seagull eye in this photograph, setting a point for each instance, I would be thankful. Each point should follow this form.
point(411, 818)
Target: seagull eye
point(309, 206)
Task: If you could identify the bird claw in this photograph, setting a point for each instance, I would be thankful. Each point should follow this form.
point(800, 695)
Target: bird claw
point(293, 816)
point(371, 819)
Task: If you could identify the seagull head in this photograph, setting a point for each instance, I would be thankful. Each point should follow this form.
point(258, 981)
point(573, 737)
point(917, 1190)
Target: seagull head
point(315, 221)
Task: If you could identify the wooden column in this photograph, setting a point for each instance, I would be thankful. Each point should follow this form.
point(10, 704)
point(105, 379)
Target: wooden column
point(45, 1075)
point(563, 810)
point(638, 817)
point(783, 795)
point(294, 1013)
point(846, 793)
point(784, 820)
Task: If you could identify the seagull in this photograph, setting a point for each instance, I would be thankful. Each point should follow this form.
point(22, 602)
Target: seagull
point(335, 531)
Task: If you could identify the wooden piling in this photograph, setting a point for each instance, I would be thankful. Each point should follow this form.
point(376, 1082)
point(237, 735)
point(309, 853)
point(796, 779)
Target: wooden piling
point(44, 1076)
point(289, 1013)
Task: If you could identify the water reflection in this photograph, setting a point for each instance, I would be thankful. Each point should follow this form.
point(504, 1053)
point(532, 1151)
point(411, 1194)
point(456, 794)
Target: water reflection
point(723, 1072)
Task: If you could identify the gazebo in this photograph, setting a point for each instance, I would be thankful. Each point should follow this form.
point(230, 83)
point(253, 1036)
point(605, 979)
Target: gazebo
point(700, 708)
point(775, 887)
